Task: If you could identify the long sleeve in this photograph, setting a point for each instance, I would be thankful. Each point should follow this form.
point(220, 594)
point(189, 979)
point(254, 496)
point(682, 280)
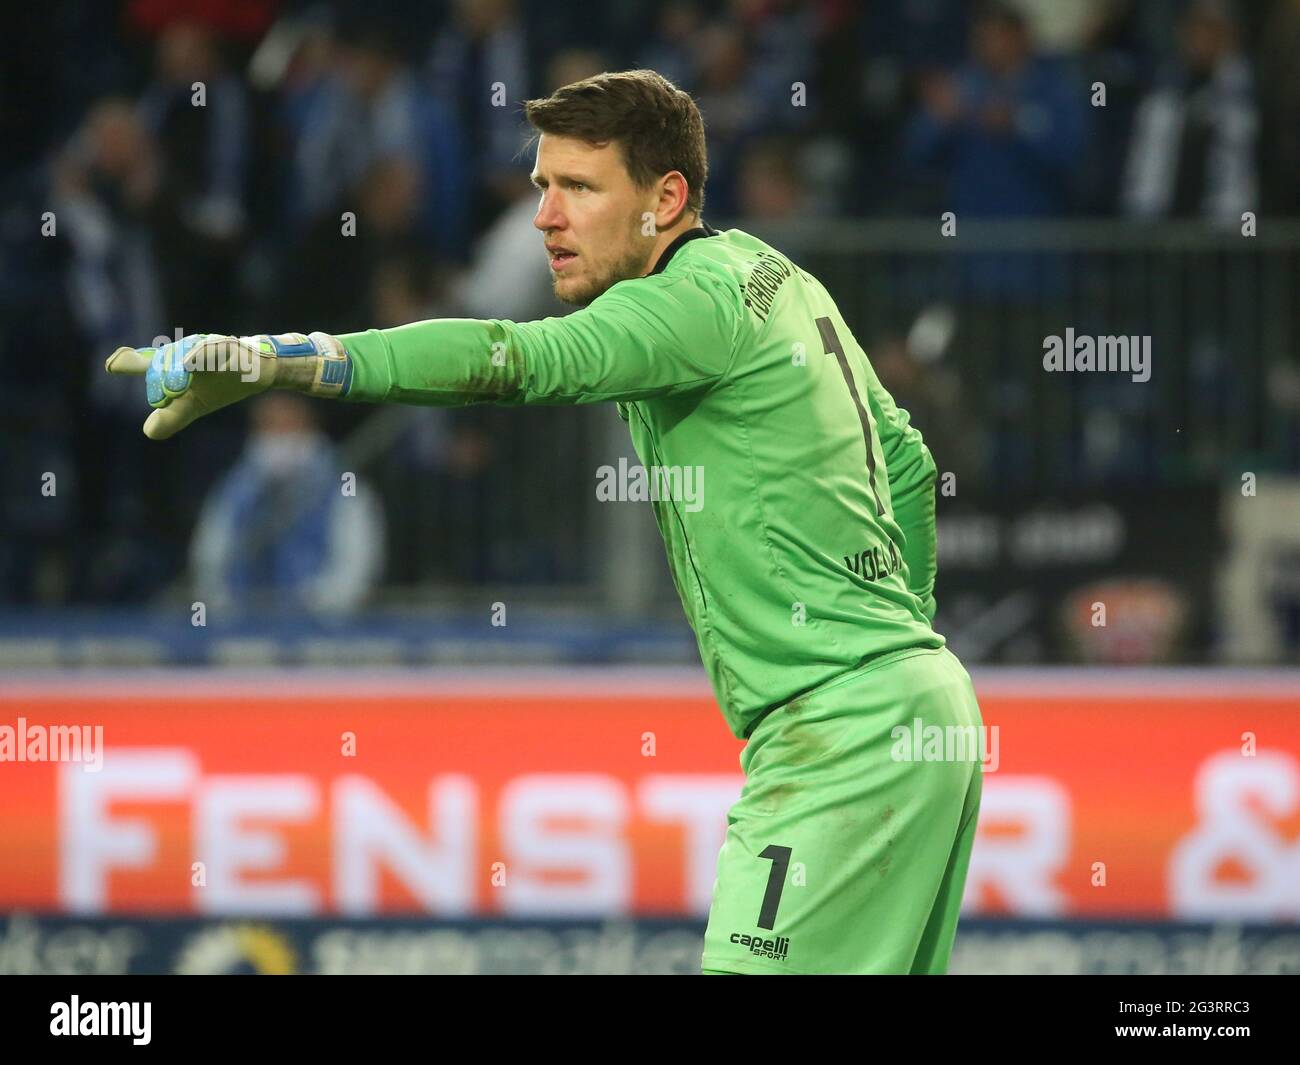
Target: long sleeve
point(643, 337)
point(912, 473)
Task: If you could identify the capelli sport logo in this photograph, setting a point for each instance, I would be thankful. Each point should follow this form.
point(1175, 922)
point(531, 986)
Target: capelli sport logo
point(778, 948)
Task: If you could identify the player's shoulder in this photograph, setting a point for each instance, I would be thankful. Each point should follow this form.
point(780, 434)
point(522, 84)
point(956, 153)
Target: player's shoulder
point(727, 252)
point(730, 262)
point(730, 274)
point(755, 273)
point(701, 261)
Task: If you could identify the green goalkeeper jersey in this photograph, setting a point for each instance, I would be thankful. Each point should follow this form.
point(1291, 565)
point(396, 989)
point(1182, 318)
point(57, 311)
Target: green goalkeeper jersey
point(806, 544)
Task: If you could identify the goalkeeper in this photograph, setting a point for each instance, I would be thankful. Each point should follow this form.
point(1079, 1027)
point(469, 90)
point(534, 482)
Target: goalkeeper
point(808, 572)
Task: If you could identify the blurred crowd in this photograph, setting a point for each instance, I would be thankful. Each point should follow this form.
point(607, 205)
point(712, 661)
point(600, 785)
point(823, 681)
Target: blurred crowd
point(177, 166)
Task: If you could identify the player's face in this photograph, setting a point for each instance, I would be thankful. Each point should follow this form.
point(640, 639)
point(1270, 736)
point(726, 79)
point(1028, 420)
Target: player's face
point(591, 216)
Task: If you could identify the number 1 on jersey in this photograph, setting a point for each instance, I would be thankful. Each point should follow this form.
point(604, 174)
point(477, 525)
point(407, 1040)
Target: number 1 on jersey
point(780, 859)
point(832, 346)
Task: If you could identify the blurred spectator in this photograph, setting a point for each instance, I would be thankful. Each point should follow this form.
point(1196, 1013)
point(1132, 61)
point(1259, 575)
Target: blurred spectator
point(280, 530)
point(1007, 128)
point(295, 66)
point(479, 64)
point(895, 48)
point(298, 65)
point(1279, 80)
point(913, 37)
point(671, 49)
point(373, 108)
point(1007, 131)
point(927, 387)
point(731, 114)
point(781, 38)
point(771, 184)
point(407, 287)
point(1055, 27)
point(110, 202)
point(748, 68)
point(326, 280)
point(1194, 141)
point(1117, 57)
point(573, 64)
point(106, 199)
point(196, 111)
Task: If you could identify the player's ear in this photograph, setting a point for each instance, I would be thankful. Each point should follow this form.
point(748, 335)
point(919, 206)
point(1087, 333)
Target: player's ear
point(673, 194)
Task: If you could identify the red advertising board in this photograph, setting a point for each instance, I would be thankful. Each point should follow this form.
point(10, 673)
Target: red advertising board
point(1173, 794)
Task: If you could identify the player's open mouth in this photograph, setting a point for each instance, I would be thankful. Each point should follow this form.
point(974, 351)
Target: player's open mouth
point(560, 258)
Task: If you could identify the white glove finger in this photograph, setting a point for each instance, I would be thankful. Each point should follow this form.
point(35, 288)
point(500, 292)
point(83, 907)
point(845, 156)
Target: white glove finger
point(169, 420)
point(128, 361)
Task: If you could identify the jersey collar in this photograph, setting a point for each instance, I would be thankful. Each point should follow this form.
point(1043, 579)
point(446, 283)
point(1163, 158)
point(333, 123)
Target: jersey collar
point(702, 230)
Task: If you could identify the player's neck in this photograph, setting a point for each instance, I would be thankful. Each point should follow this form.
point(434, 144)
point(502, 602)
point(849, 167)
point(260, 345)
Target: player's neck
point(665, 238)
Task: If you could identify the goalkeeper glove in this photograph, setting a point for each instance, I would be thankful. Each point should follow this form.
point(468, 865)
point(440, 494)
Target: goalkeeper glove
point(204, 372)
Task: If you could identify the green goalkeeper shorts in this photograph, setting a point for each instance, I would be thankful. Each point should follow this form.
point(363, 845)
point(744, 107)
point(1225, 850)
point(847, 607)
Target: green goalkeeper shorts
point(848, 848)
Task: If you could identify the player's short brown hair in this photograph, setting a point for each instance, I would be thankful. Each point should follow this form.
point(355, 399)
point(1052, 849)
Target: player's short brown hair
point(656, 125)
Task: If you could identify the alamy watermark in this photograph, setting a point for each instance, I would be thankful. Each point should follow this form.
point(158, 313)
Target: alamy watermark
point(53, 743)
point(218, 354)
point(681, 484)
point(919, 742)
point(1078, 354)
point(74, 1017)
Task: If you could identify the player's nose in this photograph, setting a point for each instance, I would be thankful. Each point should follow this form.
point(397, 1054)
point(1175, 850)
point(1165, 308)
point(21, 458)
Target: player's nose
point(548, 217)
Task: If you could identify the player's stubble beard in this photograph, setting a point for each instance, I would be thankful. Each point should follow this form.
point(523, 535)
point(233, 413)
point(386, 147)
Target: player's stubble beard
point(631, 263)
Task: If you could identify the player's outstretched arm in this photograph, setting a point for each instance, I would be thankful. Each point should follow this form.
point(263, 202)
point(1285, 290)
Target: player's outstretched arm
point(204, 372)
point(646, 337)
